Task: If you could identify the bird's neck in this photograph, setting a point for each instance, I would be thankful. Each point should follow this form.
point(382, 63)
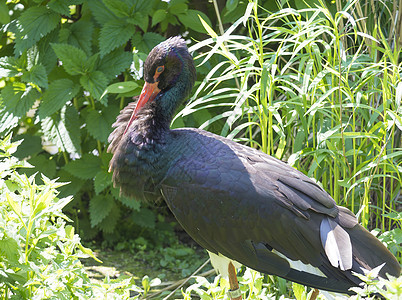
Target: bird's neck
point(155, 118)
point(170, 100)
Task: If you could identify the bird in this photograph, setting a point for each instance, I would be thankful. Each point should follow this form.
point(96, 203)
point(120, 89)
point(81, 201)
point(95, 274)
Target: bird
point(240, 204)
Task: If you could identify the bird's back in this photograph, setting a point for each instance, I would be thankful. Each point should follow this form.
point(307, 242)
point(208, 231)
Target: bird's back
point(246, 205)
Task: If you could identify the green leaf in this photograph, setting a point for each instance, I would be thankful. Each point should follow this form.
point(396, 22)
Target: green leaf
point(114, 34)
point(119, 7)
point(10, 249)
point(144, 218)
point(99, 207)
point(192, 21)
point(158, 16)
point(101, 13)
point(4, 13)
point(144, 7)
point(72, 58)
point(131, 203)
point(30, 146)
point(78, 34)
point(99, 123)
point(34, 23)
point(140, 20)
point(56, 96)
point(146, 42)
point(19, 98)
point(92, 63)
point(121, 87)
point(102, 180)
point(46, 55)
point(72, 123)
point(74, 183)
point(95, 83)
point(231, 5)
point(43, 165)
point(115, 62)
point(178, 8)
point(60, 6)
point(108, 224)
point(85, 168)
point(36, 75)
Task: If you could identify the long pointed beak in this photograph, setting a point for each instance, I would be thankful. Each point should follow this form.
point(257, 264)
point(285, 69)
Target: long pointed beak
point(148, 93)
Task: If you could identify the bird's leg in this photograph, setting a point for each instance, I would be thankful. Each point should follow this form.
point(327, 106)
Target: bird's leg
point(234, 292)
point(314, 294)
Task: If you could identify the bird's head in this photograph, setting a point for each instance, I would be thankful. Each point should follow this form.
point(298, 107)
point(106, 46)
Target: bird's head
point(168, 69)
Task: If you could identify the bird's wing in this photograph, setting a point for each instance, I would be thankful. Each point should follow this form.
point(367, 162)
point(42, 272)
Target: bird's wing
point(259, 211)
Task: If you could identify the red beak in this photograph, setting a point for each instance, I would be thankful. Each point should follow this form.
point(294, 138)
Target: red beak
point(148, 93)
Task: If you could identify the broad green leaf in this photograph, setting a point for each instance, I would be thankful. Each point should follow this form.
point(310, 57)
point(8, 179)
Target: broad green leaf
point(101, 13)
point(73, 186)
point(144, 218)
point(31, 145)
point(42, 165)
point(36, 75)
point(10, 249)
point(35, 23)
point(178, 8)
point(121, 87)
point(140, 20)
point(60, 6)
point(72, 58)
point(56, 96)
point(92, 63)
point(114, 34)
point(144, 7)
point(145, 43)
point(158, 16)
point(95, 83)
point(191, 20)
point(108, 224)
point(99, 207)
point(119, 7)
point(85, 168)
point(115, 62)
point(72, 123)
point(4, 13)
point(102, 180)
point(19, 98)
point(45, 53)
point(231, 5)
point(99, 123)
point(78, 34)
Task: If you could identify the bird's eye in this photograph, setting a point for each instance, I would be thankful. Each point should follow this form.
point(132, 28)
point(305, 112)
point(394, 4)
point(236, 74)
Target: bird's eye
point(160, 69)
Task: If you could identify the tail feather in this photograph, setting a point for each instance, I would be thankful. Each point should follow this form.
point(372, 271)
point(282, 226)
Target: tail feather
point(370, 253)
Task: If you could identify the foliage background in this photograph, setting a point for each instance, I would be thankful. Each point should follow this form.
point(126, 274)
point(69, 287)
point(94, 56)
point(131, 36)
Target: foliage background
point(57, 58)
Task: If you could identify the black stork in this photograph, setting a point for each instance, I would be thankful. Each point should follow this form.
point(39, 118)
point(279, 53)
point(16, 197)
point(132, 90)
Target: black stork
point(235, 201)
